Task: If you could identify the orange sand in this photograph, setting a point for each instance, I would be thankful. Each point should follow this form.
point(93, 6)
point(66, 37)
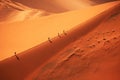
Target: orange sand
point(20, 36)
point(88, 51)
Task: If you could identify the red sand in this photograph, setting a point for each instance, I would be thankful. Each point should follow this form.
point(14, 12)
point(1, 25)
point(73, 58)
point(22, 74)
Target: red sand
point(83, 58)
point(57, 6)
point(20, 36)
point(95, 56)
point(11, 11)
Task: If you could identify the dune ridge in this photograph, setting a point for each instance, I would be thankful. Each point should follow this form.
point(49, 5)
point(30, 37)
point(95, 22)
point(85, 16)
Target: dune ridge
point(57, 6)
point(37, 31)
point(20, 10)
point(29, 61)
point(12, 11)
point(94, 56)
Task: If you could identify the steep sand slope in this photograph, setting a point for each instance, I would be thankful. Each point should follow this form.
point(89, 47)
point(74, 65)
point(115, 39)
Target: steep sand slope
point(33, 58)
point(11, 11)
point(95, 56)
point(100, 1)
point(23, 35)
point(57, 6)
point(19, 10)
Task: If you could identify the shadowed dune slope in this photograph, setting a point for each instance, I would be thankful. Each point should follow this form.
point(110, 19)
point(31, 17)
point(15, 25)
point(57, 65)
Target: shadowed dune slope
point(11, 11)
point(57, 6)
point(19, 10)
point(95, 56)
point(60, 5)
point(101, 1)
point(91, 61)
point(33, 58)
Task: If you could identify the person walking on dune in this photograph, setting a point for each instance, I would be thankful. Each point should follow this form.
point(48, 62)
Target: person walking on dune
point(64, 32)
point(17, 56)
point(49, 40)
point(59, 35)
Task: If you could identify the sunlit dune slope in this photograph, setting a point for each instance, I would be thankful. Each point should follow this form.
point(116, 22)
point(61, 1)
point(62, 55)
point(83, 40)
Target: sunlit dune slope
point(27, 34)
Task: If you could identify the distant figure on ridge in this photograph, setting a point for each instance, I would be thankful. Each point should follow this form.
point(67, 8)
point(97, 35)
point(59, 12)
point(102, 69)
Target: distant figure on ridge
point(17, 56)
point(49, 40)
point(59, 35)
point(64, 32)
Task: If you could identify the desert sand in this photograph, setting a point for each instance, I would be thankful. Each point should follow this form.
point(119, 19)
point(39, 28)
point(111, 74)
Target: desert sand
point(57, 6)
point(11, 11)
point(20, 36)
point(79, 46)
point(19, 10)
point(95, 56)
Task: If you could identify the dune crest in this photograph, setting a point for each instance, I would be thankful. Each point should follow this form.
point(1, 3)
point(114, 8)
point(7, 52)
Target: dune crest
point(57, 6)
point(75, 27)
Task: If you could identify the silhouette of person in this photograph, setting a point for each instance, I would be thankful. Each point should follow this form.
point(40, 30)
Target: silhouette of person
point(59, 35)
point(49, 40)
point(16, 56)
point(64, 32)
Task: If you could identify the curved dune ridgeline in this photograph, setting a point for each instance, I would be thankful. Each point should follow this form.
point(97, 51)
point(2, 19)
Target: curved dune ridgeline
point(57, 6)
point(11, 11)
point(32, 59)
point(30, 33)
point(20, 10)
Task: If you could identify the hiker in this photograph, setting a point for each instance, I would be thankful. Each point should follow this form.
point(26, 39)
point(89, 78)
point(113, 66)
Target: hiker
point(59, 35)
point(64, 32)
point(49, 40)
point(17, 56)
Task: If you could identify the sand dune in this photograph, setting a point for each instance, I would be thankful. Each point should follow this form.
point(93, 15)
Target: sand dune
point(57, 6)
point(11, 11)
point(101, 1)
point(33, 58)
point(23, 35)
point(95, 56)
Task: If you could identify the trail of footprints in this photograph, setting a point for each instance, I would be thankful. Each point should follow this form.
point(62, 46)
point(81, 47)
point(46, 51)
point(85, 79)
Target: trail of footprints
point(105, 42)
point(81, 52)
